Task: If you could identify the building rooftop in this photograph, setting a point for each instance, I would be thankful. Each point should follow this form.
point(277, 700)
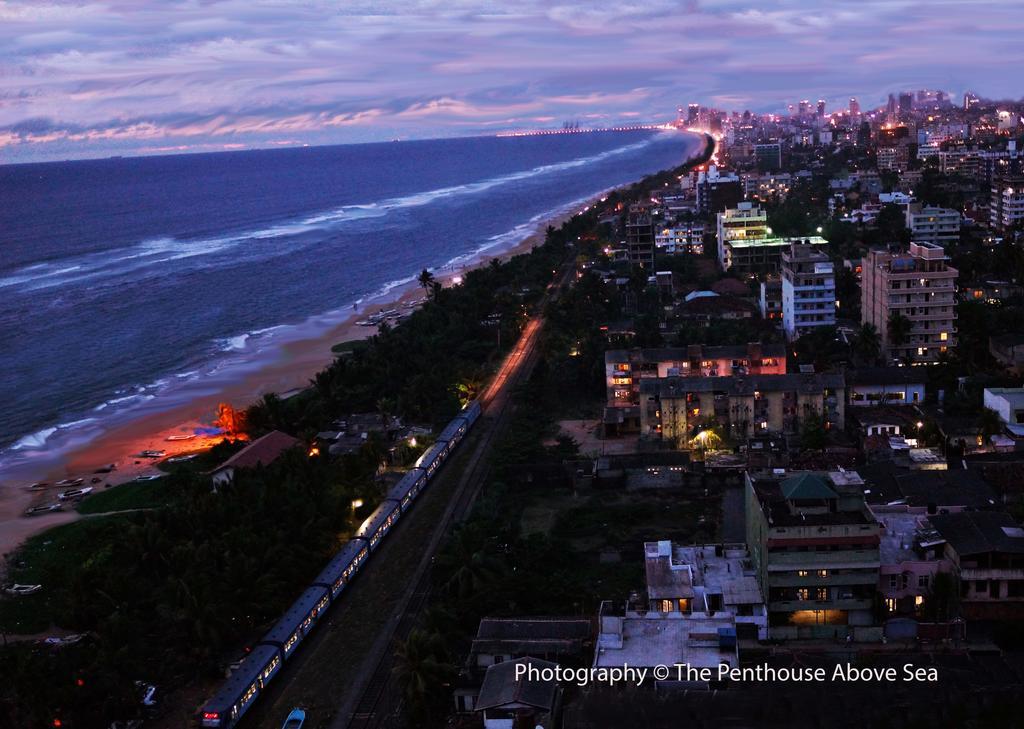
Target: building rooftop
point(697, 351)
point(886, 376)
point(501, 687)
point(769, 241)
point(532, 635)
point(980, 532)
point(657, 639)
point(742, 385)
point(262, 451)
point(674, 571)
point(780, 511)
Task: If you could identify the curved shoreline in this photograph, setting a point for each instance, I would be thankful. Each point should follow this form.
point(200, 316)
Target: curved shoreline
point(283, 367)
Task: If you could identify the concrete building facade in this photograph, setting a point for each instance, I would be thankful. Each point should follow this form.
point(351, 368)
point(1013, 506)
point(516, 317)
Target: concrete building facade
point(808, 290)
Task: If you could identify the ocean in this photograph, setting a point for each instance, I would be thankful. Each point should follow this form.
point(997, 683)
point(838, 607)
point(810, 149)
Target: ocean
point(122, 279)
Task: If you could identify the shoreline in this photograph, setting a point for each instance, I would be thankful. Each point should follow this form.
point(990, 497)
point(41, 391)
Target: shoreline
point(287, 369)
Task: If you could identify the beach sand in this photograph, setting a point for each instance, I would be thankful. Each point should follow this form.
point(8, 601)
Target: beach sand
point(291, 369)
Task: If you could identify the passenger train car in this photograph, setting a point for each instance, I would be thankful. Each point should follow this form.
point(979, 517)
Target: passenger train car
point(237, 694)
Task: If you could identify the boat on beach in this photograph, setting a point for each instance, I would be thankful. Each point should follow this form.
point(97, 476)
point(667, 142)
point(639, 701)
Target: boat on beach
point(42, 509)
point(180, 437)
point(70, 482)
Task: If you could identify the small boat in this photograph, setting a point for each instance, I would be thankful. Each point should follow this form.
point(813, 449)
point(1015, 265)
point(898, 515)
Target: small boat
point(20, 590)
point(143, 479)
point(42, 509)
point(180, 437)
point(153, 454)
point(72, 482)
point(365, 323)
point(75, 493)
point(296, 718)
point(38, 485)
point(182, 459)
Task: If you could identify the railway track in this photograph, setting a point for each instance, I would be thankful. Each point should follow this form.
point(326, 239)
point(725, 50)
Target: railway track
point(379, 703)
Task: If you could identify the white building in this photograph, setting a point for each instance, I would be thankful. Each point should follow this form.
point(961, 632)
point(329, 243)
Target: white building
point(933, 224)
point(808, 290)
point(1008, 402)
point(688, 238)
point(745, 221)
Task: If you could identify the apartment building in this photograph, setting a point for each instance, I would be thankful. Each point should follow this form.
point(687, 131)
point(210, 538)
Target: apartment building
point(808, 290)
point(1006, 208)
point(771, 299)
point(920, 286)
point(930, 224)
point(814, 546)
point(625, 368)
point(760, 255)
point(744, 222)
point(682, 238)
point(911, 555)
point(676, 410)
point(717, 191)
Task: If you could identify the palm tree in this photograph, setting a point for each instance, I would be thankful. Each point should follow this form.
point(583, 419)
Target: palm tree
point(426, 280)
point(867, 342)
point(421, 670)
point(899, 328)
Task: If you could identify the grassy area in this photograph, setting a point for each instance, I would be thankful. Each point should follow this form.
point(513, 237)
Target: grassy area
point(131, 495)
point(51, 559)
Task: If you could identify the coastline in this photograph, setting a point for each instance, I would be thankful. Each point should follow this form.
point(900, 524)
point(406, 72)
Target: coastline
point(288, 369)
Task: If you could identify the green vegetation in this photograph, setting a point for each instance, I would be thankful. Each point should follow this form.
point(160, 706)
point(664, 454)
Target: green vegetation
point(132, 495)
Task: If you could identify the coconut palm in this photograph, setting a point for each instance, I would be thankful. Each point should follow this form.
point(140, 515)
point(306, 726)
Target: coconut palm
point(426, 280)
point(867, 343)
point(899, 328)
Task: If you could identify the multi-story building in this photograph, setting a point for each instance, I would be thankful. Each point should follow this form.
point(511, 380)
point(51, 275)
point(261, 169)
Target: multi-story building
point(717, 191)
point(1006, 209)
point(986, 549)
point(705, 579)
point(640, 237)
point(771, 299)
point(808, 290)
point(933, 224)
point(1008, 402)
point(912, 555)
point(680, 238)
point(744, 222)
point(766, 187)
point(625, 368)
point(768, 156)
point(815, 548)
point(677, 409)
point(919, 286)
point(893, 158)
point(761, 255)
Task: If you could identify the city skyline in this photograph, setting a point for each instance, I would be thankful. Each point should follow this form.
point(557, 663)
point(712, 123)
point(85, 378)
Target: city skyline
point(88, 80)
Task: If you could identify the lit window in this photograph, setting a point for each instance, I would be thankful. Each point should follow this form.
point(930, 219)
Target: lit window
point(944, 337)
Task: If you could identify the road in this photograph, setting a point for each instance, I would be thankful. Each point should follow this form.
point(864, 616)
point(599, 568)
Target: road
point(342, 675)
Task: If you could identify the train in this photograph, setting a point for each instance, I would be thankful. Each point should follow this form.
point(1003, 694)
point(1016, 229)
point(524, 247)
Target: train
point(246, 683)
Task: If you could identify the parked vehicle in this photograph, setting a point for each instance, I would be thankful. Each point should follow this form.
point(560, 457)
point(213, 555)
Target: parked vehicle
point(296, 718)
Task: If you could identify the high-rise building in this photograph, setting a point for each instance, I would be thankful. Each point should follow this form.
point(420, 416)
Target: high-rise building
point(906, 104)
point(692, 114)
point(920, 287)
point(717, 191)
point(821, 108)
point(768, 156)
point(640, 237)
point(805, 107)
point(854, 109)
point(808, 290)
point(890, 107)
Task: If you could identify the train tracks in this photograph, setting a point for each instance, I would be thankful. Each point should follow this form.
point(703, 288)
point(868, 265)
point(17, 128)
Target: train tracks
point(378, 702)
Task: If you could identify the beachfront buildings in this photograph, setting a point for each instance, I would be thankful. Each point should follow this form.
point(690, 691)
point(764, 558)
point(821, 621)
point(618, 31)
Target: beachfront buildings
point(814, 546)
point(910, 299)
point(808, 290)
point(626, 368)
point(677, 410)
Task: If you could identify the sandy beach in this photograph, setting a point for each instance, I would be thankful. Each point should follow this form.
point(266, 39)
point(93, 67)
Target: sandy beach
point(288, 369)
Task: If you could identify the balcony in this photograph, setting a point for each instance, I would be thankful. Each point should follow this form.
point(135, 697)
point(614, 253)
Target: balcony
point(991, 573)
point(788, 606)
point(846, 559)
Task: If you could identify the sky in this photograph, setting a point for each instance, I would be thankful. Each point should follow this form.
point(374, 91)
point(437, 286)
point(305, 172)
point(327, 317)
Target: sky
point(107, 77)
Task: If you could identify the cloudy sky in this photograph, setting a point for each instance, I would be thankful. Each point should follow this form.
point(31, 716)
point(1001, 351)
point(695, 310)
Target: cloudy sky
point(86, 79)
